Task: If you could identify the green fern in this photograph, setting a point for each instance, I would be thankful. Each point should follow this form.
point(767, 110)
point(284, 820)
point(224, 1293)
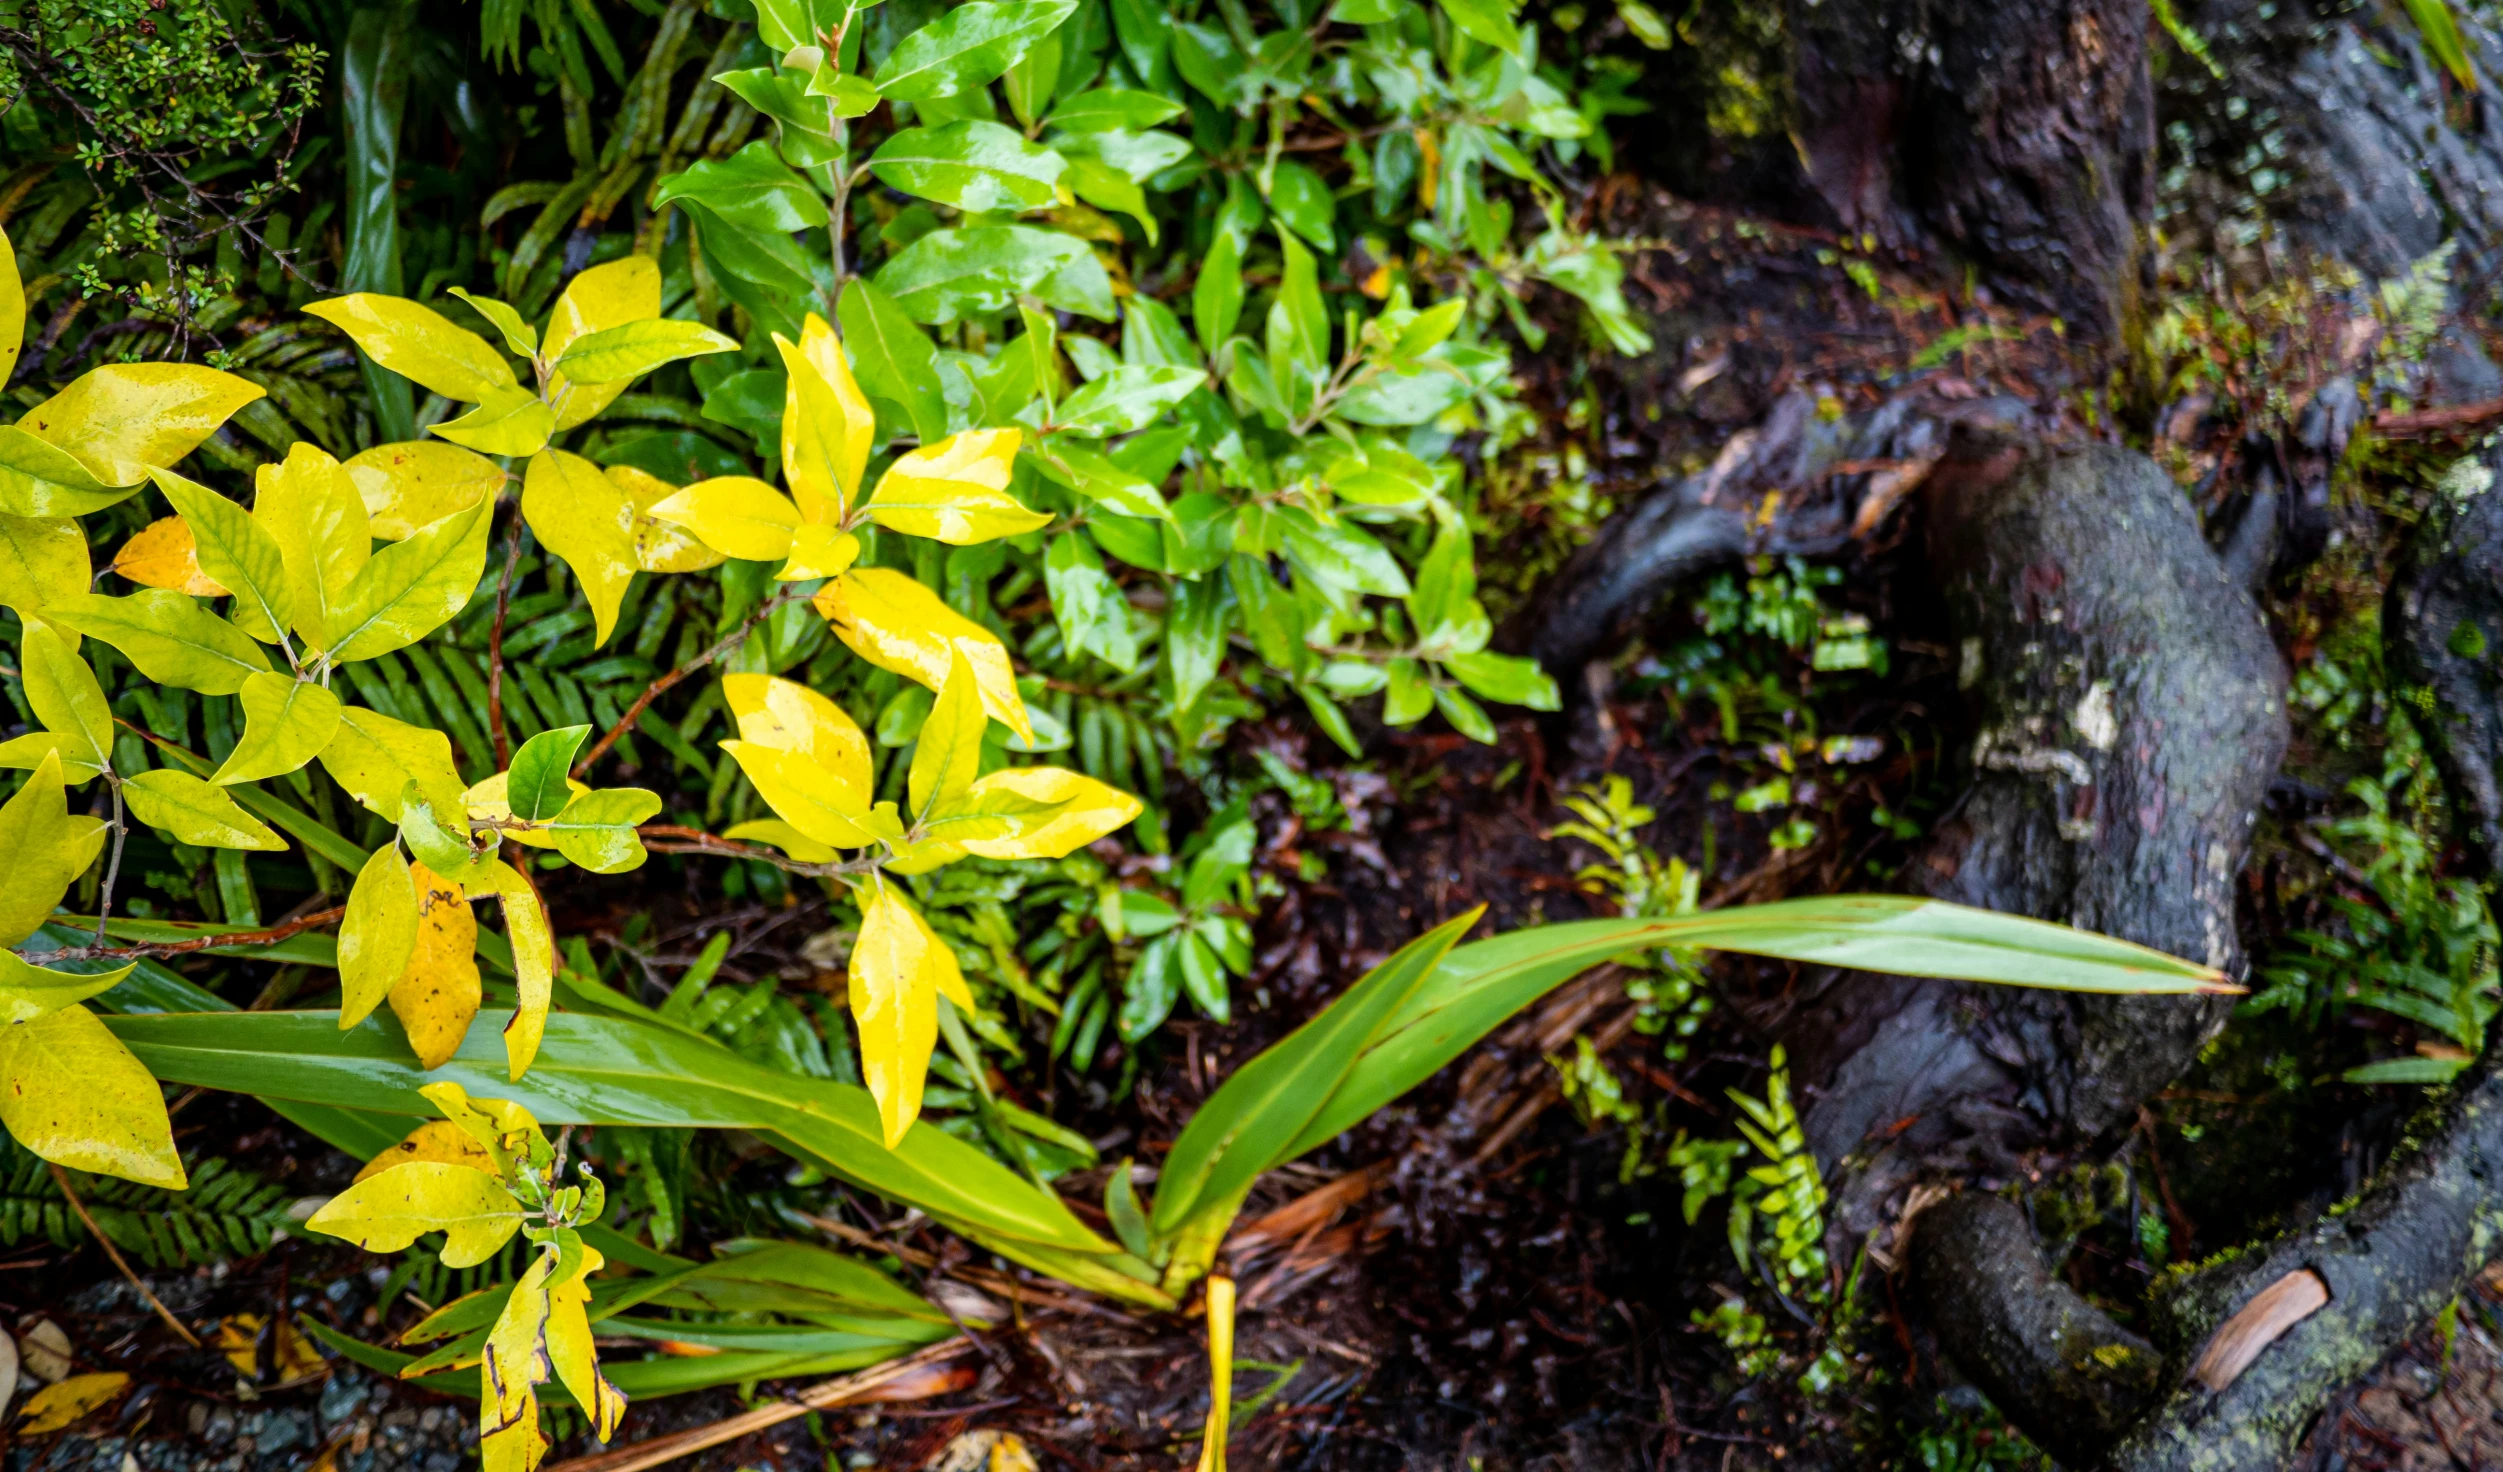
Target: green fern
point(227, 1212)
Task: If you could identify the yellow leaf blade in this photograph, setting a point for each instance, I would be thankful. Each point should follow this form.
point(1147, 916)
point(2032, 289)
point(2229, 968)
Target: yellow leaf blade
point(659, 545)
point(439, 993)
point(392, 1208)
point(827, 428)
point(897, 624)
point(736, 515)
point(788, 716)
point(163, 555)
point(125, 419)
point(570, 1348)
point(1089, 811)
point(310, 507)
point(421, 343)
point(419, 482)
point(624, 290)
point(77, 1097)
point(818, 802)
point(286, 723)
point(948, 754)
point(515, 1358)
point(437, 1140)
point(534, 963)
point(378, 935)
point(58, 1407)
point(898, 970)
point(581, 516)
point(955, 491)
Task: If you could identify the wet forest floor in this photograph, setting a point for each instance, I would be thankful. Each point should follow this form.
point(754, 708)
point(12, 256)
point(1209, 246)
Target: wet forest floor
point(1491, 1274)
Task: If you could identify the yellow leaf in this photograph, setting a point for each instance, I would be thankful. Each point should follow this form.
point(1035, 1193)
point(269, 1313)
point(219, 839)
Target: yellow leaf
point(66, 700)
point(28, 992)
point(439, 993)
point(420, 343)
point(38, 856)
point(819, 552)
point(239, 1339)
point(624, 290)
point(897, 624)
point(126, 418)
point(821, 803)
point(75, 1096)
point(392, 1208)
point(490, 801)
point(659, 546)
point(43, 559)
point(1220, 1374)
point(12, 309)
point(162, 555)
point(534, 962)
point(194, 812)
point(955, 491)
point(374, 757)
point(582, 517)
point(899, 969)
point(286, 723)
point(1089, 810)
point(516, 1448)
point(947, 755)
point(783, 836)
point(570, 1349)
point(496, 1124)
point(788, 716)
point(737, 515)
point(512, 421)
point(57, 1407)
point(419, 482)
point(377, 936)
point(516, 1358)
point(310, 507)
point(438, 1140)
point(827, 429)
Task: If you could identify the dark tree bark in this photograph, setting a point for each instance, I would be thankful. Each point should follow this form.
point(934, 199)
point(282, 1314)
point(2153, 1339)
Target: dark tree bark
point(2019, 132)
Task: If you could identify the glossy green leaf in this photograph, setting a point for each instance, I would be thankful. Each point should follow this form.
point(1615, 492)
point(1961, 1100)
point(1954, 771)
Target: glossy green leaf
point(1110, 109)
point(1217, 297)
point(596, 830)
point(967, 47)
point(970, 165)
point(948, 274)
point(1126, 399)
point(1489, 21)
point(539, 785)
point(751, 190)
point(892, 356)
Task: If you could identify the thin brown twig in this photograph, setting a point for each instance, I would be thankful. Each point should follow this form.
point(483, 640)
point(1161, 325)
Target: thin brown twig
point(662, 684)
point(61, 1178)
point(824, 1396)
point(2437, 421)
point(269, 936)
point(672, 838)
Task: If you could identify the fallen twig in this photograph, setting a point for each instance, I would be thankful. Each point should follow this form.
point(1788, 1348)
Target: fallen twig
point(2437, 421)
point(61, 1178)
point(824, 1396)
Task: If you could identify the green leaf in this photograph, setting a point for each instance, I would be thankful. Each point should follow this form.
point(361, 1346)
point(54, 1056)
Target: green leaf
point(1444, 379)
point(892, 356)
point(378, 935)
point(1195, 628)
point(1101, 481)
point(1254, 1118)
point(1505, 677)
point(1299, 325)
point(286, 723)
point(1086, 602)
point(1111, 109)
point(1217, 297)
point(66, 699)
point(414, 587)
point(1339, 554)
point(540, 786)
point(751, 189)
point(807, 119)
point(1126, 399)
point(1485, 20)
point(1107, 188)
point(440, 840)
point(235, 550)
point(1138, 157)
point(596, 830)
point(967, 47)
point(970, 165)
point(1408, 698)
point(948, 274)
point(195, 812)
point(787, 24)
point(636, 348)
point(1465, 715)
point(602, 1070)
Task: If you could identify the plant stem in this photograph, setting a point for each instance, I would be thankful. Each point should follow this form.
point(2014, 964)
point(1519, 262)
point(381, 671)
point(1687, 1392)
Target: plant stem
point(113, 865)
point(268, 936)
point(720, 649)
